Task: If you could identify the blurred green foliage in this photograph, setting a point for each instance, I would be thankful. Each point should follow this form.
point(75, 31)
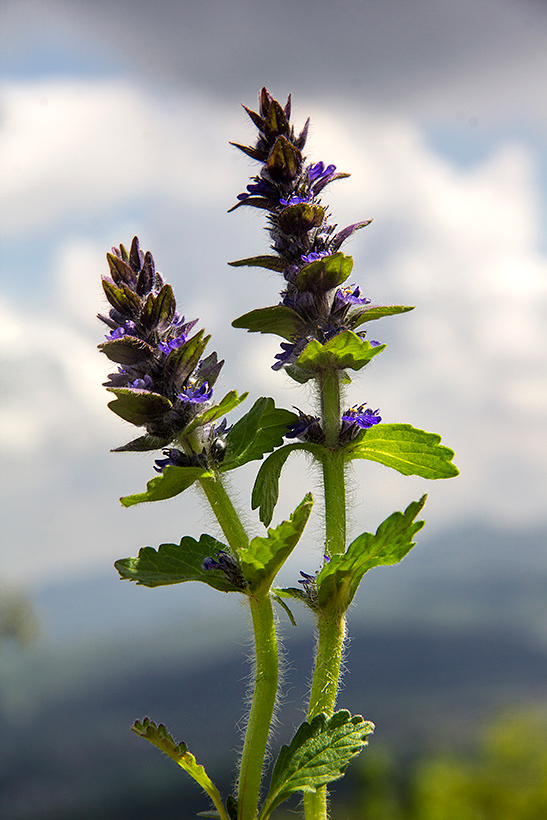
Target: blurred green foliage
point(503, 778)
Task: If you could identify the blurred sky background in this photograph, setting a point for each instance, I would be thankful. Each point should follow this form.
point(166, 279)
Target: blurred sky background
point(115, 119)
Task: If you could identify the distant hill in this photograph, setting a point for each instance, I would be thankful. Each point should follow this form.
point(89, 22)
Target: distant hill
point(436, 645)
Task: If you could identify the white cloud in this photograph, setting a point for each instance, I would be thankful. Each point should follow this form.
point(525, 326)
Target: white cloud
point(80, 146)
point(460, 244)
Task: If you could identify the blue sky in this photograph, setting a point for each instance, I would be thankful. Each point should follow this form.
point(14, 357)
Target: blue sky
point(115, 121)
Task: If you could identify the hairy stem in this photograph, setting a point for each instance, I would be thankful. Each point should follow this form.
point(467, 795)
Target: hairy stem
point(331, 624)
point(260, 716)
point(225, 512)
point(266, 658)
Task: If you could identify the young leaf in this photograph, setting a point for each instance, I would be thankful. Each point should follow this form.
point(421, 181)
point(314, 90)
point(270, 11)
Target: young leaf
point(138, 406)
point(405, 448)
point(172, 481)
point(175, 564)
point(266, 486)
point(342, 351)
point(339, 578)
point(278, 319)
point(367, 314)
point(264, 557)
point(142, 444)
point(258, 432)
point(318, 754)
point(159, 737)
point(325, 274)
point(127, 350)
point(268, 262)
point(226, 405)
point(184, 359)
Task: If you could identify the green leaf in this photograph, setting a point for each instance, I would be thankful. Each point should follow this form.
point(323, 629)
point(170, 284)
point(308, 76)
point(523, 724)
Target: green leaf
point(122, 298)
point(159, 737)
point(258, 432)
point(339, 578)
point(175, 564)
point(127, 350)
point(377, 312)
point(404, 448)
point(297, 219)
point(279, 600)
point(159, 309)
point(269, 262)
point(266, 487)
point(138, 406)
point(226, 405)
point(318, 754)
point(284, 162)
point(264, 557)
point(172, 481)
point(325, 274)
point(184, 359)
point(342, 351)
point(278, 319)
point(143, 444)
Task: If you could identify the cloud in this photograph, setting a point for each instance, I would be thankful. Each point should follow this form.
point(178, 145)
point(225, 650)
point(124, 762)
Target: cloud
point(461, 244)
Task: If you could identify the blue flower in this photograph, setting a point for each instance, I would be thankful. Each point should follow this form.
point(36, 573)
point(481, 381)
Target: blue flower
point(350, 296)
point(294, 199)
point(318, 171)
point(196, 395)
point(306, 428)
point(228, 565)
point(362, 416)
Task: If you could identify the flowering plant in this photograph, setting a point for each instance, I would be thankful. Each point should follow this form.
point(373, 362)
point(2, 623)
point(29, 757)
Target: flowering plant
point(164, 384)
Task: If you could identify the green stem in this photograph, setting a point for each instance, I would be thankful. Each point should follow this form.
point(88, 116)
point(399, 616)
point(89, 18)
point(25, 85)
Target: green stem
point(260, 716)
point(331, 624)
point(266, 658)
point(331, 629)
point(225, 513)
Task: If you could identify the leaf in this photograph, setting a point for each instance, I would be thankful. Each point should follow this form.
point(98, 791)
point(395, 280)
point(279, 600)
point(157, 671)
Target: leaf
point(266, 487)
point(342, 351)
point(143, 444)
point(278, 319)
point(184, 359)
point(127, 350)
point(258, 432)
point(318, 754)
point(175, 564)
point(138, 406)
point(377, 312)
point(159, 309)
point(325, 274)
point(264, 557)
point(172, 481)
point(404, 448)
point(159, 737)
point(228, 403)
point(122, 298)
point(284, 162)
point(344, 234)
point(297, 219)
point(269, 262)
point(339, 578)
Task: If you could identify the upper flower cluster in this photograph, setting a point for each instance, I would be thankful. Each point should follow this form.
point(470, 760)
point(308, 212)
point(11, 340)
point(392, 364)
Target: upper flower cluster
point(306, 244)
point(162, 383)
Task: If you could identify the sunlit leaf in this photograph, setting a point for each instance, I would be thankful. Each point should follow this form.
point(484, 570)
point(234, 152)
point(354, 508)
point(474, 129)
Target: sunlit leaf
point(340, 577)
point(318, 754)
point(265, 556)
point(406, 449)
